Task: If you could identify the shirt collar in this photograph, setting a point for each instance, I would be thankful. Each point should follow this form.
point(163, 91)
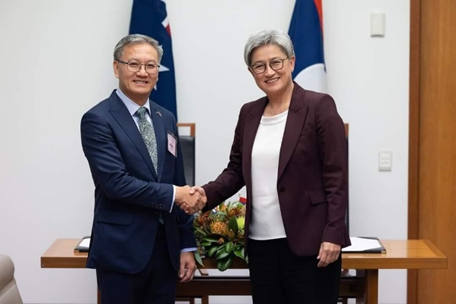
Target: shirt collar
point(130, 104)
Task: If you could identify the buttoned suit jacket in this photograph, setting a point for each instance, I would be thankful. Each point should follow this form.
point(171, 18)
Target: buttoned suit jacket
point(129, 194)
point(312, 172)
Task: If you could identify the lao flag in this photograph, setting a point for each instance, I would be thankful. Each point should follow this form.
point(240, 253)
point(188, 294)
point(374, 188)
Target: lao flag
point(306, 32)
point(149, 17)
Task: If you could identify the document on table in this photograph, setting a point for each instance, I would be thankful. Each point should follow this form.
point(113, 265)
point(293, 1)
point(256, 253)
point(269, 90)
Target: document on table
point(364, 245)
point(84, 244)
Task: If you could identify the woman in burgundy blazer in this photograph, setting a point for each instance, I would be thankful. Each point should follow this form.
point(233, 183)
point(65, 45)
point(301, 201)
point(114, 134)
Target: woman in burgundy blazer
point(289, 150)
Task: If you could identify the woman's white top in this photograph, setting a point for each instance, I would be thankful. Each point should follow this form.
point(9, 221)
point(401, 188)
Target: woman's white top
point(266, 221)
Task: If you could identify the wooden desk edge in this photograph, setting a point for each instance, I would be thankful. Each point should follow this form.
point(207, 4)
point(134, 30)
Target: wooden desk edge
point(78, 260)
point(438, 261)
point(437, 252)
point(50, 260)
point(431, 246)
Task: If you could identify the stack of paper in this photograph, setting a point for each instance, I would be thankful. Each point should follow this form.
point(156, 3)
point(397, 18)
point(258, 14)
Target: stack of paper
point(84, 244)
point(364, 245)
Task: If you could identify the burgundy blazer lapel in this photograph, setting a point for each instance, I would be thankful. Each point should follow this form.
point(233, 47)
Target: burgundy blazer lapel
point(297, 114)
point(251, 122)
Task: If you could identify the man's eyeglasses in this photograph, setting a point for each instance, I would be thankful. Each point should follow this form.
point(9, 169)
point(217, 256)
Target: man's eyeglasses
point(134, 66)
point(260, 68)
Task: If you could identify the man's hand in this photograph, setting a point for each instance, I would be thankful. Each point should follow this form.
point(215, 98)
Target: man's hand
point(329, 253)
point(196, 190)
point(187, 267)
point(189, 200)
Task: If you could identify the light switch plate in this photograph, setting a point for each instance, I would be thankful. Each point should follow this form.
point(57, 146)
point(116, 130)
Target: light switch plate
point(377, 24)
point(385, 160)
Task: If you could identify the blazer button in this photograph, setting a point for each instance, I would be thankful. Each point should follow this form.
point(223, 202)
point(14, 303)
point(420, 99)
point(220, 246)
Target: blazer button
point(282, 189)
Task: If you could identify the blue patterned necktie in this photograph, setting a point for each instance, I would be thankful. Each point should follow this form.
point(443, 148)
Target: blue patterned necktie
point(148, 134)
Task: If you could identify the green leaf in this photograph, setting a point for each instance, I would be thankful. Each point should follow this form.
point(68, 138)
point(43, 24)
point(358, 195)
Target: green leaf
point(220, 214)
point(221, 254)
point(212, 238)
point(232, 224)
point(246, 258)
point(205, 243)
point(239, 253)
point(198, 258)
point(198, 230)
point(214, 249)
point(211, 251)
point(224, 264)
point(229, 247)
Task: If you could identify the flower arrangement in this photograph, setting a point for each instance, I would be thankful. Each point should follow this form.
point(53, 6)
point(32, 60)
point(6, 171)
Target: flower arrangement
point(220, 233)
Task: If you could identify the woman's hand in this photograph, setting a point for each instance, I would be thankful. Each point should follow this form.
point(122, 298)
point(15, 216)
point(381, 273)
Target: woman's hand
point(329, 252)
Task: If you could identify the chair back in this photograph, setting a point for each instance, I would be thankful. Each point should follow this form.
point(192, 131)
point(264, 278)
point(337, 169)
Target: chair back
point(187, 142)
point(9, 293)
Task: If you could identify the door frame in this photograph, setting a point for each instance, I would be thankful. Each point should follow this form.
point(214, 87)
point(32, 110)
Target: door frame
point(414, 138)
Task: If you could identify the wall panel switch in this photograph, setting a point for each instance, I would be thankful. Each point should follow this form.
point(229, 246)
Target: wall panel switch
point(385, 160)
point(377, 25)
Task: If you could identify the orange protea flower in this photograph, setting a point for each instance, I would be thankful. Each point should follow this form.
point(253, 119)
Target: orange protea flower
point(219, 228)
point(234, 212)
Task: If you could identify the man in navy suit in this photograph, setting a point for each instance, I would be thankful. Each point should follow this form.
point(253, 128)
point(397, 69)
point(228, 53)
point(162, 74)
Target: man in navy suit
point(141, 240)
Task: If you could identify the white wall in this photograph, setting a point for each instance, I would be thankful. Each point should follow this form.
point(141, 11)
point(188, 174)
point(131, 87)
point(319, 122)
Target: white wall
point(56, 63)
point(369, 79)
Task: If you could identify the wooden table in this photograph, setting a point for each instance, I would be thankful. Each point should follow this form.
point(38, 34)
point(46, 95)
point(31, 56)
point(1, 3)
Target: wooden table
point(400, 254)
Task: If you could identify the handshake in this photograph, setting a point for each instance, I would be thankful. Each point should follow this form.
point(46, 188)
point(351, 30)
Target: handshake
point(190, 199)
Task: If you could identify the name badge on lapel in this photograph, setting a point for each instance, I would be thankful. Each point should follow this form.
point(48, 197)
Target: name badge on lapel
point(172, 141)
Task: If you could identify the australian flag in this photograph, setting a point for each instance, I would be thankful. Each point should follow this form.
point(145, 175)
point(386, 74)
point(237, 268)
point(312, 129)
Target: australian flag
point(149, 17)
point(306, 32)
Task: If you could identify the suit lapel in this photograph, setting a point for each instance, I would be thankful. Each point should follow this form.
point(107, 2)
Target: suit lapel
point(251, 124)
point(123, 117)
point(297, 114)
point(160, 135)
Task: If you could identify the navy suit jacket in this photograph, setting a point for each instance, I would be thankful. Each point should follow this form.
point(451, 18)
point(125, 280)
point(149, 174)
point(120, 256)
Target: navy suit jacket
point(312, 173)
point(129, 195)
